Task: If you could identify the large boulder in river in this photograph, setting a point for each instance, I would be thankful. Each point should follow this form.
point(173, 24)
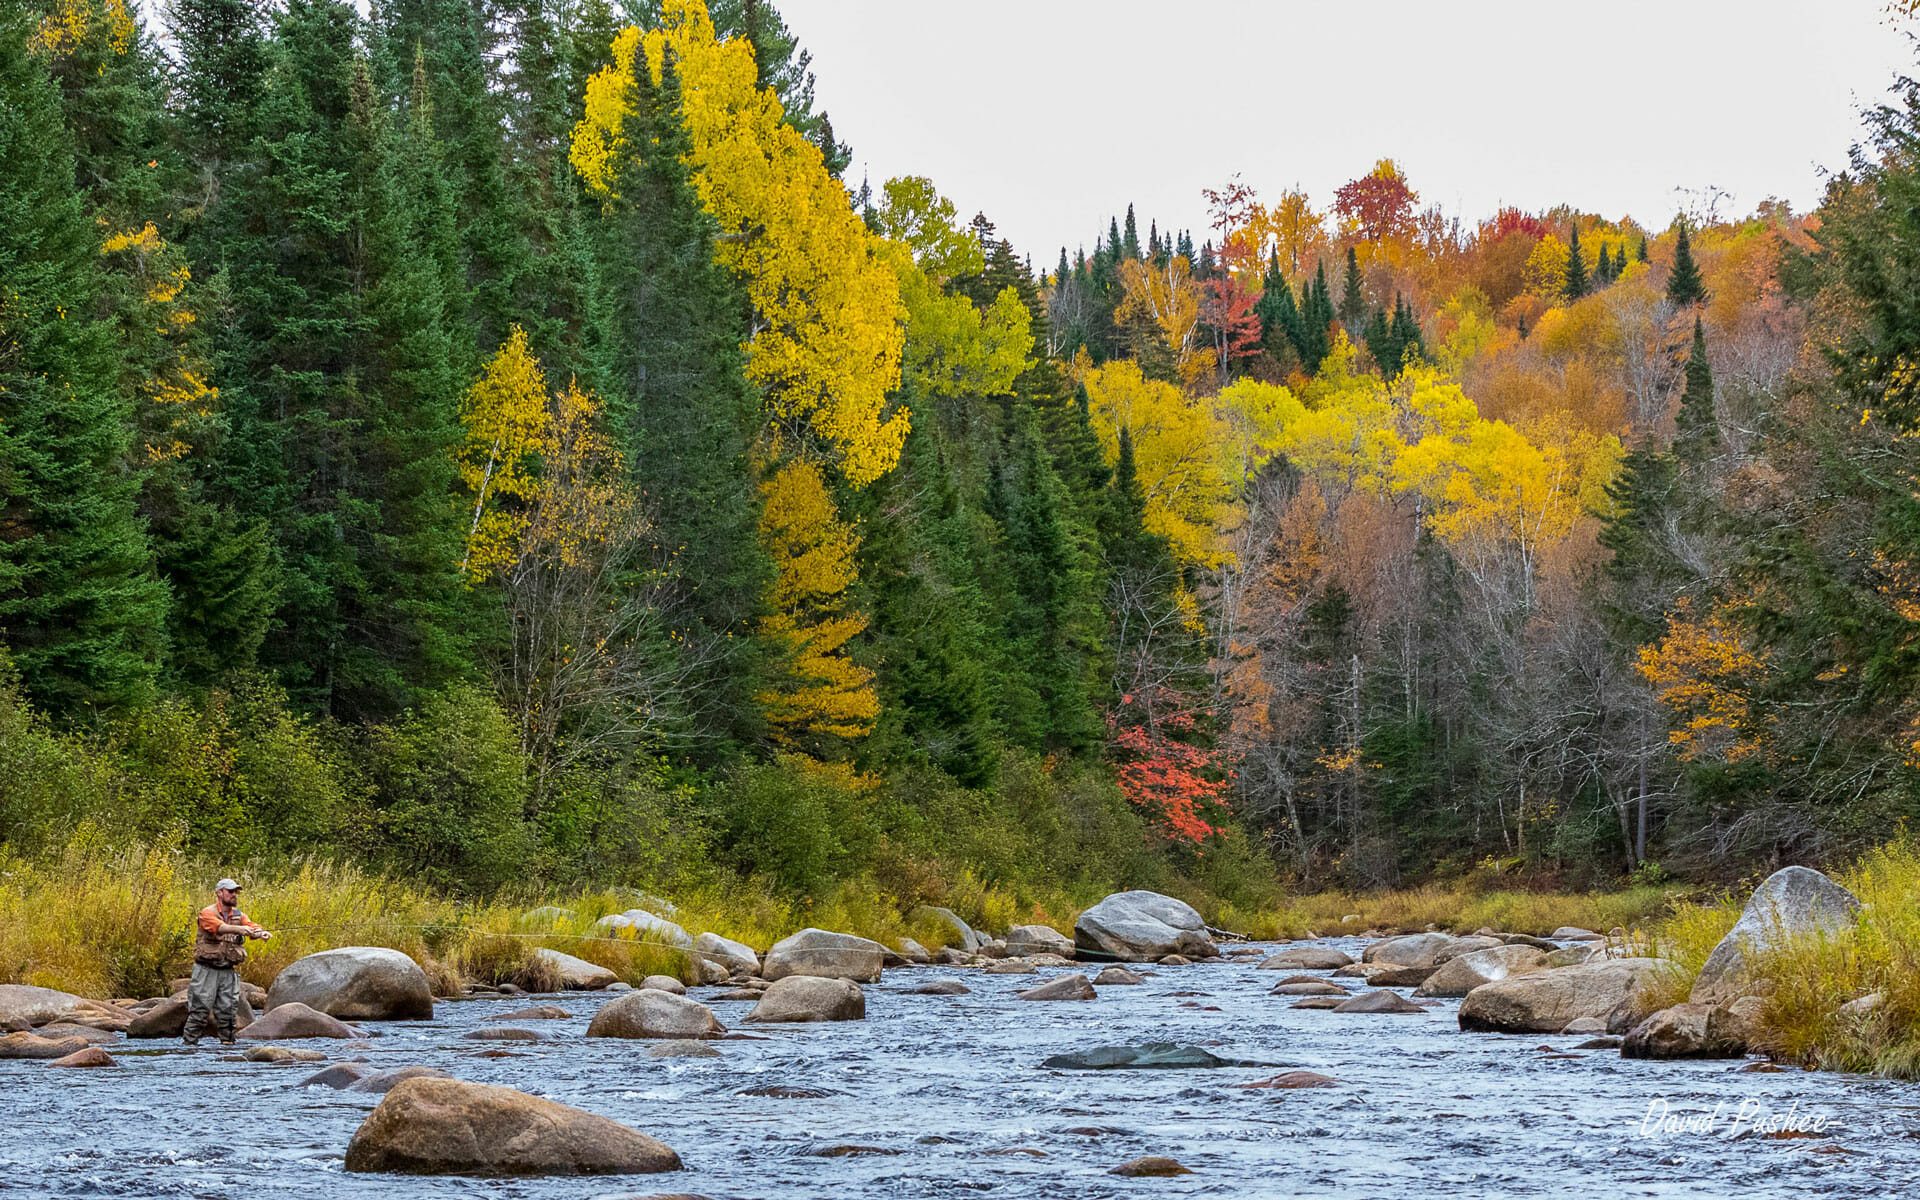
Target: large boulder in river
point(355, 983)
point(1544, 1001)
point(28, 1045)
point(1792, 902)
point(576, 974)
point(654, 1014)
point(447, 1127)
point(738, 957)
point(296, 1020)
point(1141, 927)
point(828, 955)
point(168, 1019)
point(1458, 976)
point(644, 926)
point(1023, 940)
point(810, 998)
point(23, 1004)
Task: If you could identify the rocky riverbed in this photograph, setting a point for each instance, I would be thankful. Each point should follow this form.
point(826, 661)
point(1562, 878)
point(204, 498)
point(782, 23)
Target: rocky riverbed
point(933, 1094)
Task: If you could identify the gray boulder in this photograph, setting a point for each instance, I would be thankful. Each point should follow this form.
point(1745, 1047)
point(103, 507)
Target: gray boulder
point(577, 974)
point(663, 983)
point(956, 931)
point(644, 926)
point(1023, 940)
point(1573, 933)
point(1458, 976)
point(737, 957)
point(654, 1014)
point(1378, 1002)
point(379, 1083)
point(1141, 927)
point(1683, 1031)
point(22, 1004)
point(28, 1045)
point(810, 998)
point(1544, 1001)
point(1306, 958)
point(914, 952)
point(1792, 902)
point(1117, 976)
point(356, 983)
point(828, 955)
point(447, 1127)
point(1410, 950)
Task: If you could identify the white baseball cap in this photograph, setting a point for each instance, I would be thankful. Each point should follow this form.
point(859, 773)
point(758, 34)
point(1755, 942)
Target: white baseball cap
point(226, 885)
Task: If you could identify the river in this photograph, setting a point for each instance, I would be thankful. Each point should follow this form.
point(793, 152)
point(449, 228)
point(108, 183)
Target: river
point(948, 1097)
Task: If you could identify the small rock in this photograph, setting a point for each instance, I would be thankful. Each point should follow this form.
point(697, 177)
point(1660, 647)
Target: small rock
point(282, 1054)
point(739, 994)
point(1312, 987)
point(1152, 1166)
point(682, 1049)
point(1572, 933)
point(1599, 1043)
point(663, 983)
point(739, 957)
point(1011, 966)
point(1585, 1025)
point(650, 1013)
point(507, 1034)
point(544, 1012)
point(1378, 1002)
point(941, 987)
point(293, 1019)
point(1326, 1002)
point(1023, 940)
point(337, 1076)
point(1117, 977)
point(1174, 960)
point(1306, 958)
point(91, 1056)
point(379, 1083)
point(1067, 987)
point(447, 1127)
point(914, 952)
point(27, 1045)
point(1294, 1079)
point(576, 974)
point(1402, 976)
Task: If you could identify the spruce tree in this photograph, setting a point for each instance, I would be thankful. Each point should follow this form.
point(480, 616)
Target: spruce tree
point(1641, 253)
point(222, 52)
point(672, 370)
point(1603, 269)
point(1353, 294)
point(1279, 314)
point(1684, 286)
point(1576, 284)
point(81, 612)
point(1696, 434)
point(1130, 237)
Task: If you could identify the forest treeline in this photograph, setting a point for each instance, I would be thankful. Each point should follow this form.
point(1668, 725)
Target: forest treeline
point(494, 442)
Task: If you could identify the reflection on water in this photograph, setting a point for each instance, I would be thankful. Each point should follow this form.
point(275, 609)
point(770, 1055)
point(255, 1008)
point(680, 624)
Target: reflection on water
point(933, 1095)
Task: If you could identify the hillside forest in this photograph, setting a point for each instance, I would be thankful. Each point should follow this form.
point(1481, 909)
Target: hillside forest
point(497, 442)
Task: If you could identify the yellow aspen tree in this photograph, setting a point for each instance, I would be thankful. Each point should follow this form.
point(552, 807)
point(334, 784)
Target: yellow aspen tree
point(1702, 670)
point(819, 690)
point(826, 338)
point(1166, 294)
point(506, 418)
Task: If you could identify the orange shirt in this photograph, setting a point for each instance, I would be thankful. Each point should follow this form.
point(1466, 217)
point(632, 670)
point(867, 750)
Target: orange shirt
point(211, 919)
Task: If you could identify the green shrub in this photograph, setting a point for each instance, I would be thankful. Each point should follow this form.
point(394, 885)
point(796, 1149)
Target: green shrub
point(52, 782)
point(450, 792)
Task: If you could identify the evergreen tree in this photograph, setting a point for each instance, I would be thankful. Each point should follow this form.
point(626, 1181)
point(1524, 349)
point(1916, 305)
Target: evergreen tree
point(81, 613)
point(1353, 294)
point(672, 369)
point(1696, 434)
point(1130, 237)
point(1684, 286)
point(1576, 284)
point(1641, 253)
point(222, 52)
point(1279, 314)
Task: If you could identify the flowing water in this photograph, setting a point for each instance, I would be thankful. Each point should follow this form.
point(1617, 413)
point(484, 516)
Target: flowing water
point(948, 1097)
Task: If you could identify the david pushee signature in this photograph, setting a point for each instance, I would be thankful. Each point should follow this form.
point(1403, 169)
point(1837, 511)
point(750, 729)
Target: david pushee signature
point(1751, 1116)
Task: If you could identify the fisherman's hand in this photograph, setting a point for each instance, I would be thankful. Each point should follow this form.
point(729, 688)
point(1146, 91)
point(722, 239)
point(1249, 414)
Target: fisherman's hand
point(260, 935)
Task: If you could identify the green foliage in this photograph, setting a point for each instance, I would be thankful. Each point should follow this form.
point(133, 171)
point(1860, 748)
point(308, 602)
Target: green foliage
point(1684, 285)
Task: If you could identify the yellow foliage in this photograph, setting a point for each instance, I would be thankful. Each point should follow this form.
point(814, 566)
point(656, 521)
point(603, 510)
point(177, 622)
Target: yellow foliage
point(505, 415)
point(1545, 274)
point(953, 348)
point(1700, 671)
point(169, 372)
point(827, 308)
point(71, 22)
point(821, 690)
point(1165, 294)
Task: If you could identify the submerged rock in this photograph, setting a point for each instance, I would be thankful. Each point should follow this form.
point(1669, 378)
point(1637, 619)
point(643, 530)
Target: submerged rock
point(941, 987)
point(1378, 1002)
point(1152, 1166)
point(682, 1049)
point(1154, 1056)
point(1117, 977)
point(542, 1012)
point(338, 1076)
point(1306, 958)
point(446, 1127)
point(90, 1056)
point(379, 1083)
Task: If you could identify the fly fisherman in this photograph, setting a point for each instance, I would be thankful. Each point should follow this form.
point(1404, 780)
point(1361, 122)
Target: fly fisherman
point(218, 948)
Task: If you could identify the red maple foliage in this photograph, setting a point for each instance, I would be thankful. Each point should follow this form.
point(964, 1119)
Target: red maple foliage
point(1177, 783)
point(1512, 220)
point(1380, 204)
point(1227, 309)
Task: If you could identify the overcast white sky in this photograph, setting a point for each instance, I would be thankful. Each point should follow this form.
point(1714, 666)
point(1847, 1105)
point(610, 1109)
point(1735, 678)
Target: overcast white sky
point(1050, 115)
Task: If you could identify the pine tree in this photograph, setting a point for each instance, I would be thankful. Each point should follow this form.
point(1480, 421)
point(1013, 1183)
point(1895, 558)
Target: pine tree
point(1353, 294)
point(1641, 253)
point(1603, 269)
point(1130, 237)
point(81, 612)
point(1576, 284)
point(1696, 429)
point(1684, 286)
point(223, 61)
point(1279, 314)
point(671, 366)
